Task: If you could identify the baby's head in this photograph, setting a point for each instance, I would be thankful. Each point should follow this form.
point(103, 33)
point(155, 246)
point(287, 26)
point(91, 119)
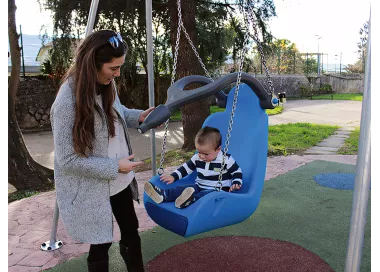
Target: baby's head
point(208, 142)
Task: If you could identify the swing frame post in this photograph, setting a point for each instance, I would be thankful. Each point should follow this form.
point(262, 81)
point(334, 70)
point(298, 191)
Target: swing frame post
point(363, 175)
point(149, 35)
point(53, 244)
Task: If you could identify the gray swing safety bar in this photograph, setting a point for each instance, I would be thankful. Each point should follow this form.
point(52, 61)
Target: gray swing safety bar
point(177, 97)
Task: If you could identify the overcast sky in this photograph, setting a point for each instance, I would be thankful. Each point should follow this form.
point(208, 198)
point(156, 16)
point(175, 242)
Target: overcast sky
point(337, 21)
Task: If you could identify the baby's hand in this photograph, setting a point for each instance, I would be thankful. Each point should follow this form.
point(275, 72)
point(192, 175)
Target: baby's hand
point(167, 178)
point(235, 187)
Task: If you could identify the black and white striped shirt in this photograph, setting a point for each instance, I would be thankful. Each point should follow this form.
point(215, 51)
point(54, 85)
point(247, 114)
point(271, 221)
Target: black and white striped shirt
point(208, 172)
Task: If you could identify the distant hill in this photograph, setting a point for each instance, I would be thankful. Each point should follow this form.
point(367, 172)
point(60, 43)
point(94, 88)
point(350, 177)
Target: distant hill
point(32, 45)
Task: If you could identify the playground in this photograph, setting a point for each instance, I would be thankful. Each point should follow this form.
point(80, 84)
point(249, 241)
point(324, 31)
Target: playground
point(305, 212)
point(296, 219)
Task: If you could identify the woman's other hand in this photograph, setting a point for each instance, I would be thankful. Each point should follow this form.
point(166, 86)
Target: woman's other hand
point(144, 114)
point(125, 165)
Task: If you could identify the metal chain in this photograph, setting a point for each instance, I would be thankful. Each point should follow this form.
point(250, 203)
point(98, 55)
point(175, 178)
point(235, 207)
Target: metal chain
point(180, 26)
point(163, 148)
point(231, 122)
point(195, 50)
point(261, 51)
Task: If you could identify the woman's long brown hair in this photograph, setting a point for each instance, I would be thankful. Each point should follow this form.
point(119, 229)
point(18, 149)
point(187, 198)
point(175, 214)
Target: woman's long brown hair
point(90, 57)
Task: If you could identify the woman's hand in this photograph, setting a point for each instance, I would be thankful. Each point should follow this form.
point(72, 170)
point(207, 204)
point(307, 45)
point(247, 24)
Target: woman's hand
point(144, 114)
point(125, 165)
point(167, 178)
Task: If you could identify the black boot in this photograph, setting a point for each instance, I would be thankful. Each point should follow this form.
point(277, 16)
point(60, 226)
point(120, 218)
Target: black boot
point(98, 266)
point(132, 257)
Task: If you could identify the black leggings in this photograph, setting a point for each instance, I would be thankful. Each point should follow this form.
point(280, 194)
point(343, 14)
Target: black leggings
point(124, 212)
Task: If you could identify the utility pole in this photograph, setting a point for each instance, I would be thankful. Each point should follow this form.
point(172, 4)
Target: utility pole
point(318, 60)
point(322, 64)
point(340, 63)
point(22, 54)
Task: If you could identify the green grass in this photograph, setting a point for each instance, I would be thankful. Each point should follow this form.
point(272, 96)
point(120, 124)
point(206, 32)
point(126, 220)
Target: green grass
point(351, 144)
point(287, 139)
point(355, 97)
point(176, 116)
point(276, 110)
point(283, 139)
point(172, 158)
point(18, 195)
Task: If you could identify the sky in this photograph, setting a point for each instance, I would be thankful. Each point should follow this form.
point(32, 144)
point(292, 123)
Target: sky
point(337, 21)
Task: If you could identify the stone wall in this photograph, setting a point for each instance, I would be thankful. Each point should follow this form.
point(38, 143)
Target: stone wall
point(36, 94)
point(349, 83)
point(34, 99)
point(285, 83)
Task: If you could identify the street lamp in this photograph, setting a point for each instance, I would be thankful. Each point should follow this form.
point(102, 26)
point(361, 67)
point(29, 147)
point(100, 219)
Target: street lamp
point(336, 59)
point(318, 62)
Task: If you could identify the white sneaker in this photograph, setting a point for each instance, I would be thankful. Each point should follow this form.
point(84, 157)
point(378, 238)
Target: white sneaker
point(185, 199)
point(154, 192)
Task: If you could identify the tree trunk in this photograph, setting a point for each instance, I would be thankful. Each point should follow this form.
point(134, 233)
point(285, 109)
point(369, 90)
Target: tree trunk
point(23, 171)
point(194, 114)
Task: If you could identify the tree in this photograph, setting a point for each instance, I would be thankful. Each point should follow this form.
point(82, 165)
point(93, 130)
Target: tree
point(362, 45)
point(194, 114)
point(23, 172)
point(204, 21)
point(282, 57)
point(359, 65)
point(310, 64)
point(195, 18)
point(59, 59)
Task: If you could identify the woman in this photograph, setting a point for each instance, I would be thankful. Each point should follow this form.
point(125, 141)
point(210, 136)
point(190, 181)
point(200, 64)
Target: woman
point(93, 163)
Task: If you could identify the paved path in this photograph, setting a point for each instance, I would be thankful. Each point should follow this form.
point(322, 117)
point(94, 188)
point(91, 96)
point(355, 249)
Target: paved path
point(331, 112)
point(332, 144)
point(30, 219)
point(334, 112)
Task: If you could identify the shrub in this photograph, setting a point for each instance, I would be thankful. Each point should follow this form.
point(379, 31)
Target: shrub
point(326, 88)
point(305, 91)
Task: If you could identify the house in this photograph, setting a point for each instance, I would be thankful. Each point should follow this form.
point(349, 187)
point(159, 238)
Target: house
point(43, 53)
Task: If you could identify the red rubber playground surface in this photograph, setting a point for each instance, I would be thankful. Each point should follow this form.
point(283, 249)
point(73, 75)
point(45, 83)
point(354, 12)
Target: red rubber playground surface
point(237, 253)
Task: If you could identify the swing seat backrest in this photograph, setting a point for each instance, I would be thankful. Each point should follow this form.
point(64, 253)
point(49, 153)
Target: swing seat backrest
point(249, 134)
point(248, 146)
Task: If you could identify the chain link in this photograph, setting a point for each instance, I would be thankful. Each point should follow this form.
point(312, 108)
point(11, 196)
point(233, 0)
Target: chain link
point(195, 50)
point(259, 46)
point(176, 50)
point(180, 26)
point(236, 94)
point(249, 17)
point(163, 148)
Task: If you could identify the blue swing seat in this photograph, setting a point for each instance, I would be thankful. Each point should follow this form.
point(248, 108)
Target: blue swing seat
point(248, 146)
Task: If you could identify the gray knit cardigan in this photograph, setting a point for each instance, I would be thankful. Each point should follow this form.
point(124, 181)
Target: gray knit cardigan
point(83, 183)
